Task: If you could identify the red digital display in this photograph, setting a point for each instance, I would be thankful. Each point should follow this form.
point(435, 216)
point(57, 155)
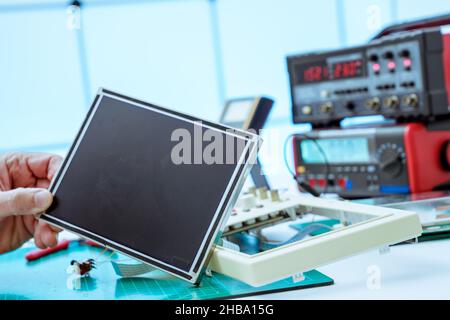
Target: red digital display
point(316, 73)
point(347, 69)
point(312, 72)
point(321, 71)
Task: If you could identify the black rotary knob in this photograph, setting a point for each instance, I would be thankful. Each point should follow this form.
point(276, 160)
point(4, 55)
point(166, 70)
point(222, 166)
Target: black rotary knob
point(445, 155)
point(391, 162)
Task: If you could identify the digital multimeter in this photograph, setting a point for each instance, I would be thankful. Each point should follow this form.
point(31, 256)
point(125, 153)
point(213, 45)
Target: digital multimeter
point(370, 162)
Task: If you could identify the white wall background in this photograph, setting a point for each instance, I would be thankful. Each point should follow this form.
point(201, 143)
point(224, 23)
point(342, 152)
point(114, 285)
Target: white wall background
point(188, 55)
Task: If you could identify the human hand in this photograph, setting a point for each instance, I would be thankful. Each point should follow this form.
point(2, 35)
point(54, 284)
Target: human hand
point(24, 179)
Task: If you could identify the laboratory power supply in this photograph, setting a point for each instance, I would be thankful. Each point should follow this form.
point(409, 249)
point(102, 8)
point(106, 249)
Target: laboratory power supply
point(404, 76)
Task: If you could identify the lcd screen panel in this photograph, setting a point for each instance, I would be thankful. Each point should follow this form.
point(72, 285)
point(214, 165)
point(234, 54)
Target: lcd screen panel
point(237, 112)
point(123, 185)
point(355, 150)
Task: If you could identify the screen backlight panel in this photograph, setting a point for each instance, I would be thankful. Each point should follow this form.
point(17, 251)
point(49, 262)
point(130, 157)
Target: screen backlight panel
point(354, 150)
point(238, 111)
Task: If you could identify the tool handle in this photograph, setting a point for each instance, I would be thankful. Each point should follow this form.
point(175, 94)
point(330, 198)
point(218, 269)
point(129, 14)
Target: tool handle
point(34, 255)
point(93, 244)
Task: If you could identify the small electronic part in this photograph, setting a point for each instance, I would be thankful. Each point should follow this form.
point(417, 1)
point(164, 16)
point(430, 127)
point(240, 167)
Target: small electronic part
point(275, 196)
point(263, 193)
point(246, 202)
point(260, 211)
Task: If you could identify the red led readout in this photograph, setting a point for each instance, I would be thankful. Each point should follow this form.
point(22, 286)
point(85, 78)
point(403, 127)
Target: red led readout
point(319, 71)
point(347, 69)
point(315, 73)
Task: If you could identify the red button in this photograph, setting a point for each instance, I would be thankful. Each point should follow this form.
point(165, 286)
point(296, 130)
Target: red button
point(407, 63)
point(312, 182)
point(322, 183)
point(391, 65)
point(376, 67)
point(342, 182)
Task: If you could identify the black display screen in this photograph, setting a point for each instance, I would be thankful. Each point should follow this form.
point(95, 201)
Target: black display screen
point(122, 184)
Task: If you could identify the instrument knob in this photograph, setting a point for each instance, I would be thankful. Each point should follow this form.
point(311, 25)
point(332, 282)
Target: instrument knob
point(445, 155)
point(392, 102)
point(391, 162)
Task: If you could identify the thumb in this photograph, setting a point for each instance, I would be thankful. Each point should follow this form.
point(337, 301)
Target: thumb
point(24, 201)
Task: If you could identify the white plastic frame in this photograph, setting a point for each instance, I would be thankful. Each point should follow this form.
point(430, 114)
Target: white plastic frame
point(371, 227)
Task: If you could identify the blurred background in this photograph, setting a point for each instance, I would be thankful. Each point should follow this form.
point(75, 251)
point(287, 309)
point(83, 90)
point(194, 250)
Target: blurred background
point(189, 55)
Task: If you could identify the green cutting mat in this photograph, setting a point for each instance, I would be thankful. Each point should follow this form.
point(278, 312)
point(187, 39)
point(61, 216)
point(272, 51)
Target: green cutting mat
point(46, 279)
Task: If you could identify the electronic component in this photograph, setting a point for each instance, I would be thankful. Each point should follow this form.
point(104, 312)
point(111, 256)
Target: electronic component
point(133, 178)
point(258, 209)
point(374, 161)
point(403, 76)
point(249, 114)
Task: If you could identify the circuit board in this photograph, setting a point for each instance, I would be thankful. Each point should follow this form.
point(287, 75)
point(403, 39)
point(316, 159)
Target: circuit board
point(46, 278)
point(258, 208)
